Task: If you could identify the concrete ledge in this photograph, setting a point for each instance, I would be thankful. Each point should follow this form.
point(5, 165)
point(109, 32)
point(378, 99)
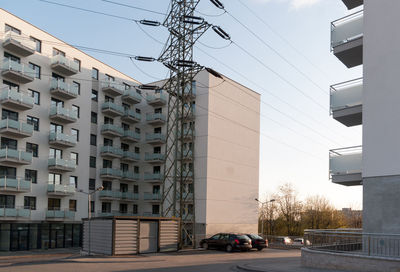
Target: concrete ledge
point(343, 261)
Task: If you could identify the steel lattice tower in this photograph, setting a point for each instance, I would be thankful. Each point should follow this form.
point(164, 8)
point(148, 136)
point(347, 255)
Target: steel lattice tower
point(177, 55)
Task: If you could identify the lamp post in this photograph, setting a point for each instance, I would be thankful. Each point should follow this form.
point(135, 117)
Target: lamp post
point(101, 188)
point(263, 214)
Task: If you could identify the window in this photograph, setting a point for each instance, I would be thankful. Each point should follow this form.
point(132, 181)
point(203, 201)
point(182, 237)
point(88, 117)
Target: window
point(76, 86)
point(92, 162)
point(137, 130)
point(58, 52)
point(76, 109)
point(32, 148)
point(107, 164)
point(73, 181)
point(125, 126)
point(11, 86)
point(107, 142)
point(7, 114)
point(157, 130)
point(108, 99)
point(79, 64)
point(126, 106)
point(7, 201)
point(135, 209)
point(93, 117)
point(155, 209)
point(55, 153)
point(11, 28)
point(123, 187)
point(123, 208)
point(157, 149)
point(31, 175)
point(137, 150)
point(107, 185)
point(72, 205)
point(30, 202)
point(110, 78)
point(56, 102)
point(95, 95)
point(35, 95)
point(36, 68)
point(74, 157)
point(93, 139)
point(54, 178)
point(54, 204)
point(8, 143)
point(58, 77)
point(138, 110)
point(92, 205)
point(124, 167)
point(8, 172)
point(95, 73)
point(75, 134)
point(108, 120)
point(158, 110)
point(105, 207)
point(126, 86)
point(56, 128)
point(12, 57)
point(124, 147)
point(156, 189)
point(92, 184)
point(33, 121)
point(38, 44)
point(136, 169)
point(135, 189)
point(156, 169)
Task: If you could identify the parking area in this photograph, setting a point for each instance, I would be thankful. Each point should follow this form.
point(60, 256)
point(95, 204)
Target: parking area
point(191, 260)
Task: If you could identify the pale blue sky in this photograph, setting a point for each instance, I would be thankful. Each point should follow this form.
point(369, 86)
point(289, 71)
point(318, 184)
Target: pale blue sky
point(305, 23)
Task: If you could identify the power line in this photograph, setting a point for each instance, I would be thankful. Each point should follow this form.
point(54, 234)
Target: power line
point(134, 7)
point(212, 47)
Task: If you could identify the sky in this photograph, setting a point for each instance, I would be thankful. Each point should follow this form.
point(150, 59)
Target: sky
point(298, 68)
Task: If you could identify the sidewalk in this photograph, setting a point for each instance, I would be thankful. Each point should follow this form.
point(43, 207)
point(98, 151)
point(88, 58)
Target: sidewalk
point(43, 253)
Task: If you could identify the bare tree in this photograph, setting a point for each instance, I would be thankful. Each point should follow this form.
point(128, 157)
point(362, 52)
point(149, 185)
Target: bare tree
point(290, 208)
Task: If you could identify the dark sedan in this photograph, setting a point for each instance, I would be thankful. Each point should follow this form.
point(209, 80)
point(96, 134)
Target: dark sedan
point(257, 241)
point(227, 241)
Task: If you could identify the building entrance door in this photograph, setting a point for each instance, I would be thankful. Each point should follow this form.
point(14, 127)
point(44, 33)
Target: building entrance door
point(148, 236)
point(19, 237)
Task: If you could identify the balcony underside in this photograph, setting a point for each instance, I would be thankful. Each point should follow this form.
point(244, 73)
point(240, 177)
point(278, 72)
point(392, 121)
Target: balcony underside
point(63, 94)
point(351, 116)
point(350, 4)
point(61, 144)
point(156, 122)
point(155, 161)
point(18, 48)
point(130, 99)
point(14, 133)
point(157, 102)
point(347, 179)
point(17, 76)
point(61, 194)
point(130, 139)
point(111, 112)
point(130, 119)
point(63, 69)
point(109, 176)
point(155, 142)
point(111, 133)
point(110, 155)
point(60, 168)
point(112, 91)
point(13, 161)
point(62, 119)
point(350, 53)
point(129, 159)
point(16, 105)
point(129, 179)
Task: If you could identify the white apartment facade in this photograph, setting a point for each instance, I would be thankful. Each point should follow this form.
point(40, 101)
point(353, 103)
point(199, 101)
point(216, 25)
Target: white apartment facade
point(71, 124)
point(369, 37)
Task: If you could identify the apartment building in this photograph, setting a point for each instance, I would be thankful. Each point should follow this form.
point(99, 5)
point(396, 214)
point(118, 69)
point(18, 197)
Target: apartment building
point(71, 124)
point(368, 37)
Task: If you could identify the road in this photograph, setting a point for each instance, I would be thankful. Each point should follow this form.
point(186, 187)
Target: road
point(271, 260)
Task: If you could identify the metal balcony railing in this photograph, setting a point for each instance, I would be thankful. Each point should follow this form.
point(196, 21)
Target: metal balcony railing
point(345, 160)
point(346, 94)
point(347, 29)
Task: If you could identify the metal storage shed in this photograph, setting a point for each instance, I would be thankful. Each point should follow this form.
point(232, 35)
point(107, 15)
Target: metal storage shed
point(122, 235)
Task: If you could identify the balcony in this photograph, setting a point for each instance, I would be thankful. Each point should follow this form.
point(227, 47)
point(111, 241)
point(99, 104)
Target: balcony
point(128, 196)
point(187, 197)
point(188, 113)
point(17, 72)
point(65, 66)
point(109, 195)
point(15, 185)
point(130, 176)
point(153, 177)
point(15, 129)
point(346, 102)
point(155, 138)
point(187, 217)
point(9, 212)
point(18, 45)
point(60, 190)
point(57, 164)
point(112, 109)
point(188, 134)
point(350, 4)
point(190, 95)
point(112, 88)
point(156, 119)
point(63, 90)
point(187, 155)
point(152, 197)
point(131, 116)
point(60, 215)
point(62, 115)
point(345, 166)
point(62, 140)
point(111, 152)
point(111, 130)
point(131, 136)
point(110, 173)
point(187, 176)
point(130, 96)
point(114, 213)
point(156, 99)
point(15, 157)
point(130, 156)
point(14, 99)
point(150, 214)
point(347, 39)
point(156, 158)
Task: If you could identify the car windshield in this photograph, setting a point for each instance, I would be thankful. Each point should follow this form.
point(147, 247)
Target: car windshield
point(243, 237)
point(255, 236)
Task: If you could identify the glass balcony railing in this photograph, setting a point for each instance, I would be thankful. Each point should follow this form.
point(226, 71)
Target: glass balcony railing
point(13, 154)
point(347, 94)
point(132, 135)
point(60, 214)
point(130, 175)
point(69, 63)
point(156, 98)
point(132, 114)
point(132, 96)
point(61, 189)
point(60, 111)
point(131, 155)
point(187, 89)
point(154, 157)
point(187, 153)
point(62, 163)
point(152, 196)
point(72, 90)
point(187, 133)
point(153, 176)
point(111, 172)
point(15, 184)
point(347, 29)
point(61, 137)
point(14, 212)
point(12, 65)
point(113, 85)
point(345, 160)
point(129, 196)
point(112, 150)
point(23, 41)
point(114, 213)
point(17, 126)
point(150, 117)
point(112, 128)
point(114, 107)
point(187, 196)
point(12, 94)
point(150, 214)
point(155, 137)
point(110, 194)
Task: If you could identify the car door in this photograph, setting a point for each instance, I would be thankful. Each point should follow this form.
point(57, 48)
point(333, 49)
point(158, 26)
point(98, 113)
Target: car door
point(224, 240)
point(213, 241)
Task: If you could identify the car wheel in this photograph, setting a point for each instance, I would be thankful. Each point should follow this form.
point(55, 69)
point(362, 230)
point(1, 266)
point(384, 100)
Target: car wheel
point(229, 248)
point(205, 246)
point(260, 248)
